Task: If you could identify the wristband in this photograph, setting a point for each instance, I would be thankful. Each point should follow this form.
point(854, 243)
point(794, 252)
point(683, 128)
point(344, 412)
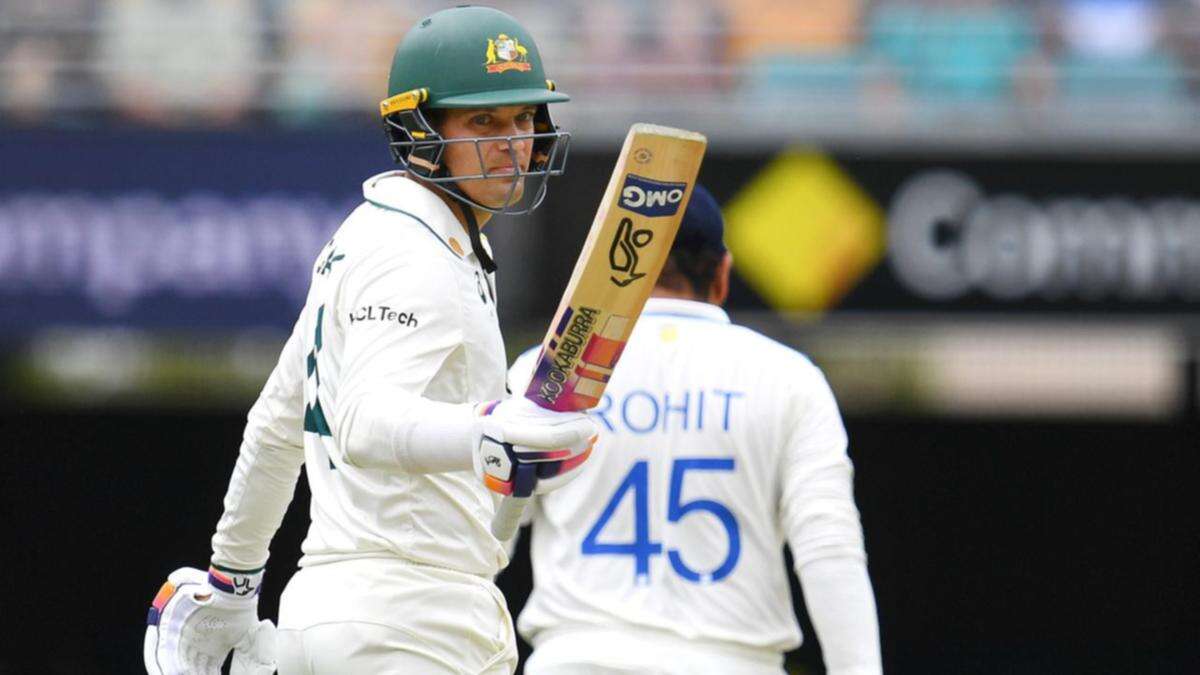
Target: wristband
point(239, 583)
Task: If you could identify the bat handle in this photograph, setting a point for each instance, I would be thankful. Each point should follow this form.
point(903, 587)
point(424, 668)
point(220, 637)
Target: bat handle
point(508, 517)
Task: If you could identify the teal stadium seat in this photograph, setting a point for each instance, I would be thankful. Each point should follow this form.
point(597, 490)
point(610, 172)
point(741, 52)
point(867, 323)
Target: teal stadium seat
point(952, 54)
point(829, 76)
point(1154, 77)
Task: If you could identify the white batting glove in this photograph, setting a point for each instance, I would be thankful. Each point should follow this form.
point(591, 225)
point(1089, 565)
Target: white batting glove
point(197, 618)
point(525, 449)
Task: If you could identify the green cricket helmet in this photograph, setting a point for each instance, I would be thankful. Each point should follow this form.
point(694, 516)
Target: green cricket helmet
point(469, 57)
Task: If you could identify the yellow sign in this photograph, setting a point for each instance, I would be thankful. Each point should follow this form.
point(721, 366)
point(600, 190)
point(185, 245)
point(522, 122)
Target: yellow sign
point(803, 233)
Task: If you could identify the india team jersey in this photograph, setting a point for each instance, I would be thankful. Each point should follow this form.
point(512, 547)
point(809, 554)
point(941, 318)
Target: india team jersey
point(718, 447)
point(399, 313)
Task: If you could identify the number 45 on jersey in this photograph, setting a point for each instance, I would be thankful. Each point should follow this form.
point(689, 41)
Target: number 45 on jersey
point(642, 549)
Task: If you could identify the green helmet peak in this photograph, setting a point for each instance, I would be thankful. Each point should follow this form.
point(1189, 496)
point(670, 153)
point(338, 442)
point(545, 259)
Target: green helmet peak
point(471, 57)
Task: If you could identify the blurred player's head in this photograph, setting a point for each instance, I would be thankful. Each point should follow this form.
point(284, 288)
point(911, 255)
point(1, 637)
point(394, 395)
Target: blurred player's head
point(467, 109)
point(699, 263)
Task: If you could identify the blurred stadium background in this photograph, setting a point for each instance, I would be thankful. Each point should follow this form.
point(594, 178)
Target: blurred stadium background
point(981, 218)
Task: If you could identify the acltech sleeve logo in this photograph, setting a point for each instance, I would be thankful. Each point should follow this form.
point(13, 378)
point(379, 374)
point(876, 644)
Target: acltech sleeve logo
point(652, 198)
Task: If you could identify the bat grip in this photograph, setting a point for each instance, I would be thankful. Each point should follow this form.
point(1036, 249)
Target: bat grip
point(508, 517)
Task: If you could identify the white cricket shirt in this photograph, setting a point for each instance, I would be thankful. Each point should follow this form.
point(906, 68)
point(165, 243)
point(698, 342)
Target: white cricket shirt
point(719, 445)
point(399, 314)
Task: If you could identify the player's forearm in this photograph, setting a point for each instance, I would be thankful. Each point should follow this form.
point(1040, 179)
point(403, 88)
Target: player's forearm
point(260, 490)
point(398, 431)
point(268, 466)
point(819, 513)
point(841, 604)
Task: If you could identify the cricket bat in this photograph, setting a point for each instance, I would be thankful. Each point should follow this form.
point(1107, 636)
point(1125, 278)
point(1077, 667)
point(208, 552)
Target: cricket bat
point(620, 262)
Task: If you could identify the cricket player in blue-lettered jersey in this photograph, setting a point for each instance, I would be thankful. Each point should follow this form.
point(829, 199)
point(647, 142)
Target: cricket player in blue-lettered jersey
point(718, 446)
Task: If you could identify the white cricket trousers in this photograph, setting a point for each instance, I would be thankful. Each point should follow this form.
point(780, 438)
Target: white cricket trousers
point(384, 616)
point(645, 651)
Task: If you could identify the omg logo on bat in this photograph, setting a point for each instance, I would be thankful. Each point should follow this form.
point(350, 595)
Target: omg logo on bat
point(651, 198)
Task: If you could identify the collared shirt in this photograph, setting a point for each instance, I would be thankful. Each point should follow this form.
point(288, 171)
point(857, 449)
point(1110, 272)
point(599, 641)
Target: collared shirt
point(718, 446)
point(398, 309)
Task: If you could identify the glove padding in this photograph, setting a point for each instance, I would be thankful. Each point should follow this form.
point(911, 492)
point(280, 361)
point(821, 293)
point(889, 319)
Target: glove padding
point(197, 619)
point(525, 449)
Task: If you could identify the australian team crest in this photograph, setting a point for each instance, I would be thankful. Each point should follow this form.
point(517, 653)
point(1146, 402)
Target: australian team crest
point(506, 53)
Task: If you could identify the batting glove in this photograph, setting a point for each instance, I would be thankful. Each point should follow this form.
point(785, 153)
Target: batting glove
point(197, 618)
point(525, 449)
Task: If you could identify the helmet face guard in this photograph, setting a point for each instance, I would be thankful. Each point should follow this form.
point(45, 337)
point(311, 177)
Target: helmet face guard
point(419, 148)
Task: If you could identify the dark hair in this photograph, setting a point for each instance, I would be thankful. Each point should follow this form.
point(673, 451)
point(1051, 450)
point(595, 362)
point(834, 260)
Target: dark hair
point(690, 271)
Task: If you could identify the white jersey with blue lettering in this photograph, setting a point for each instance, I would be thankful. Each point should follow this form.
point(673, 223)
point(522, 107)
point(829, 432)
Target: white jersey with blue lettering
point(719, 446)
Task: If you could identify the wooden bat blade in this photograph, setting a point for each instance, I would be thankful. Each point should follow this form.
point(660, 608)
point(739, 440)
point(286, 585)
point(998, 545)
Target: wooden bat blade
point(616, 270)
point(618, 266)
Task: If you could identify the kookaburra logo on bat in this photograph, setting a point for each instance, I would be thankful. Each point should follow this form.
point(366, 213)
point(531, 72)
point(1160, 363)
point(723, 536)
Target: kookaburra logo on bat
point(623, 255)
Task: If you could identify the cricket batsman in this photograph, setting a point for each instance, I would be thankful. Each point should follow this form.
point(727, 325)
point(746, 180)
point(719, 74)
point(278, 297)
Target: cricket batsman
point(719, 446)
point(391, 391)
